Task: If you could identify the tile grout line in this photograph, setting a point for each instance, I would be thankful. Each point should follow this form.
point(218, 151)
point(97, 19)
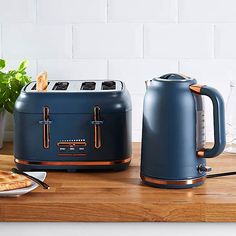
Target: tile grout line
point(37, 66)
point(107, 5)
point(143, 45)
point(213, 42)
point(108, 77)
point(36, 11)
point(72, 41)
point(177, 6)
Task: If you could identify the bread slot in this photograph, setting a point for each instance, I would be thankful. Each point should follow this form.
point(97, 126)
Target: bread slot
point(60, 86)
point(88, 86)
point(34, 87)
point(108, 85)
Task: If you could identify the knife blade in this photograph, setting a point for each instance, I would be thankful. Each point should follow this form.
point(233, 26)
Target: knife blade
point(38, 181)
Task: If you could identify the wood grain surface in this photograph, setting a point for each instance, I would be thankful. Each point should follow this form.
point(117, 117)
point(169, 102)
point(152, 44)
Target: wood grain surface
point(121, 197)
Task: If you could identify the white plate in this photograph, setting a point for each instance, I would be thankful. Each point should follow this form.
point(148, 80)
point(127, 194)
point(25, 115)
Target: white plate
point(21, 191)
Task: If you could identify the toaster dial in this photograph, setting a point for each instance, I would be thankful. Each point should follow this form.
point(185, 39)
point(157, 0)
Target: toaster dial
point(72, 147)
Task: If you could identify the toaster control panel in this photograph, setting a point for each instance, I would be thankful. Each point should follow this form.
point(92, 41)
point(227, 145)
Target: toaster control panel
point(72, 147)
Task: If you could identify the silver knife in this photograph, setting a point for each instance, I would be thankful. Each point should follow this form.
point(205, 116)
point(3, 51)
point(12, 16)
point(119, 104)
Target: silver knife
point(38, 181)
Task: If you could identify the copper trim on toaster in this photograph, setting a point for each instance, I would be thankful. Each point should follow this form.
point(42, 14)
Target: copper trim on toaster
point(172, 182)
point(46, 137)
point(73, 163)
point(97, 128)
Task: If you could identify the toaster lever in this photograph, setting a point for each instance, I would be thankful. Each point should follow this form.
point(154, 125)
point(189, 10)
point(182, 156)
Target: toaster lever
point(97, 128)
point(45, 122)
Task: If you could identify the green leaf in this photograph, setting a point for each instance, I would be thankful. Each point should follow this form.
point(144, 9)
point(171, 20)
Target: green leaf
point(11, 83)
point(1, 75)
point(18, 76)
point(9, 106)
point(23, 65)
point(2, 64)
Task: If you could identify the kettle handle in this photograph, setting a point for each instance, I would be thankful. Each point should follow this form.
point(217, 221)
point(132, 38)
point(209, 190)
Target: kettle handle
point(219, 119)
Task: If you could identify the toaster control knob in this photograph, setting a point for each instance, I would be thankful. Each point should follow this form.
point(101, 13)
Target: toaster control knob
point(202, 168)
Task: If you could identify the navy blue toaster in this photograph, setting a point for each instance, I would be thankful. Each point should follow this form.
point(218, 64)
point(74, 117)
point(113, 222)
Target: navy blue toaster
point(75, 125)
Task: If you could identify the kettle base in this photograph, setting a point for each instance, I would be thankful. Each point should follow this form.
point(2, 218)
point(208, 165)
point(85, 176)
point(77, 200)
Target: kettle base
point(174, 184)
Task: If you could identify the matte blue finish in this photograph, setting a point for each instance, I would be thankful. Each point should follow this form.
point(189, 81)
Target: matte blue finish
point(71, 116)
point(169, 142)
point(219, 121)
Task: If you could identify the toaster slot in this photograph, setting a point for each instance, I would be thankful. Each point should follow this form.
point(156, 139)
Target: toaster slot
point(108, 85)
point(34, 87)
point(88, 86)
point(60, 86)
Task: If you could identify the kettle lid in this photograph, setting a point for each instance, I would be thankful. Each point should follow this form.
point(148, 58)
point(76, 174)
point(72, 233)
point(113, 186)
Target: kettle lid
point(173, 77)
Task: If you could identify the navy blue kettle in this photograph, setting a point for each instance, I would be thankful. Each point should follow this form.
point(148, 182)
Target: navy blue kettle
point(173, 140)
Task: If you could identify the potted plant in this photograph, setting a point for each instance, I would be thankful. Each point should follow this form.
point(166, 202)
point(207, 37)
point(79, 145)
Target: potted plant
point(11, 83)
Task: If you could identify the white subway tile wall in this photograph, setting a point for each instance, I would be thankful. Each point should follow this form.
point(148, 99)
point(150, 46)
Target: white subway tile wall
point(178, 41)
point(129, 40)
point(207, 11)
point(71, 11)
point(134, 72)
point(108, 40)
point(36, 41)
point(15, 11)
point(225, 46)
point(142, 10)
point(74, 69)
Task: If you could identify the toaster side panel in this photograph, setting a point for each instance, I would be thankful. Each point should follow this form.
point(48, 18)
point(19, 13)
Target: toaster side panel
point(71, 139)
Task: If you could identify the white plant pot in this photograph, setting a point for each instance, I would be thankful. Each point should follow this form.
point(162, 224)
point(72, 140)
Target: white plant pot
point(2, 126)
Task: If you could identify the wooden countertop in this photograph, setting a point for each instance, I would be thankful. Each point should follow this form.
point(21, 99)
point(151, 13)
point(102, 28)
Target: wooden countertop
point(120, 196)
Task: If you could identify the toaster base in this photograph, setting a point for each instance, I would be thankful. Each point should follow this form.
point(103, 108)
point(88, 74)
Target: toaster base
point(73, 166)
point(161, 183)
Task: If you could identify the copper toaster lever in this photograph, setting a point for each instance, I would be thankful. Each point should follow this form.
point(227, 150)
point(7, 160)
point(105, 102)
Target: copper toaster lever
point(46, 122)
point(97, 128)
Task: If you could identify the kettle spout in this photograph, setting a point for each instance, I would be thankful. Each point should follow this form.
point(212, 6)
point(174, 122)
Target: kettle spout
point(147, 83)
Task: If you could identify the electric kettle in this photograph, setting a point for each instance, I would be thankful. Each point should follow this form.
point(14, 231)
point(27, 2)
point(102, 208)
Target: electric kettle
point(173, 137)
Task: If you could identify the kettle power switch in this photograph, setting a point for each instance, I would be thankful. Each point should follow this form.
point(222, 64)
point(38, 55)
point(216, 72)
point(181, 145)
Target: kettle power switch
point(201, 168)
